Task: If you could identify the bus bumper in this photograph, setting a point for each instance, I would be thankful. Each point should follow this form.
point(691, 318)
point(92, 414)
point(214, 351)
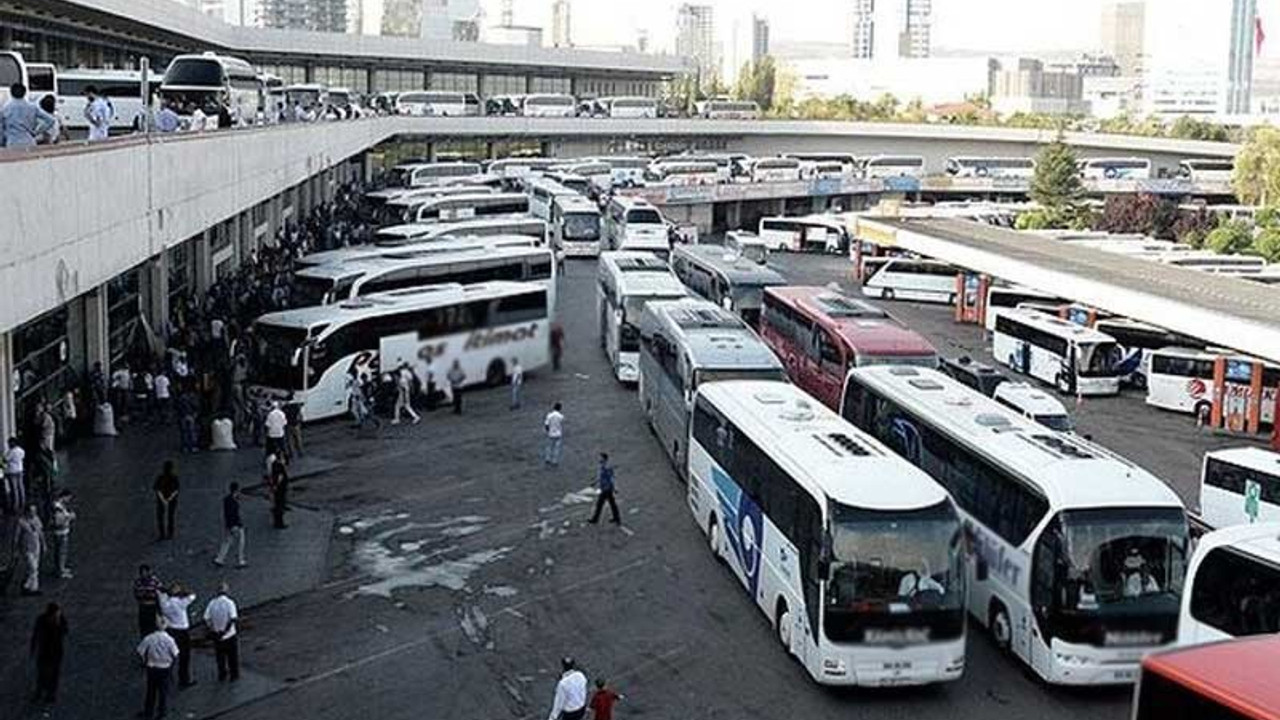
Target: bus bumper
point(1071, 664)
point(877, 667)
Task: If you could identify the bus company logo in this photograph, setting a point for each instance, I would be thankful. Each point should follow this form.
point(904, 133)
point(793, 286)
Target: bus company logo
point(480, 339)
point(364, 365)
point(993, 554)
point(907, 440)
point(1196, 388)
point(743, 525)
point(430, 351)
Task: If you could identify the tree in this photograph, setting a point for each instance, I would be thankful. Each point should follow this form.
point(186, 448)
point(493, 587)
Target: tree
point(757, 81)
point(1230, 238)
point(1056, 184)
point(1267, 244)
point(1146, 214)
point(1256, 180)
point(1192, 227)
point(1188, 128)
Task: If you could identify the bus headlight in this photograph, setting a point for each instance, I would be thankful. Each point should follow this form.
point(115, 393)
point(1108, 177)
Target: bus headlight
point(834, 666)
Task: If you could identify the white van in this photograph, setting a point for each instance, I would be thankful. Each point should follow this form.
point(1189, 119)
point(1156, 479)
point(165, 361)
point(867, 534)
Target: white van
point(121, 88)
point(1035, 404)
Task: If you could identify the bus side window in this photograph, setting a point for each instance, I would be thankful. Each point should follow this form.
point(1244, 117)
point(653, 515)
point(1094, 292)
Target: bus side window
point(829, 352)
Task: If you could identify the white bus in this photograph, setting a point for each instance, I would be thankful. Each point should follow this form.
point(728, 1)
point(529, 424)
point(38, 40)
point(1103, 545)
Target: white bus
point(311, 96)
point(683, 344)
point(1137, 341)
point(1077, 555)
point(121, 88)
point(1011, 296)
point(575, 226)
point(1180, 379)
point(416, 174)
point(982, 167)
point(734, 282)
point(388, 204)
point(42, 79)
point(1211, 262)
point(774, 169)
point(913, 279)
point(548, 105)
point(811, 233)
point(625, 171)
point(416, 247)
point(435, 103)
point(13, 70)
point(594, 174)
point(310, 353)
point(634, 224)
point(571, 180)
point(1217, 170)
point(542, 192)
point(890, 166)
point(515, 168)
point(1233, 586)
point(1129, 168)
point(687, 172)
point(626, 280)
point(1240, 486)
point(213, 82)
point(273, 97)
point(855, 558)
point(630, 107)
point(335, 282)
point(1073, 358)
point(822, 170)
point(449, 208)
point(729, 110)
point(849, 163)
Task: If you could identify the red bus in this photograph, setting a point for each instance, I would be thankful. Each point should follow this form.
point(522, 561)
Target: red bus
point(1231, 680)
point(819, 334)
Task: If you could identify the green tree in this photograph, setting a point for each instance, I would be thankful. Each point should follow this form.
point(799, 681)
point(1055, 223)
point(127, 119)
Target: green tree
point(1256, 180)
point(1267, 244)
point(1188, 128)
point(1229, 238)
point(757, 81)
point(1056, 184)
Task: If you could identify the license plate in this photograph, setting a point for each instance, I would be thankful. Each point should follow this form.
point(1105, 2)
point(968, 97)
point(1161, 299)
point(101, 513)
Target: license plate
point(1124, 675)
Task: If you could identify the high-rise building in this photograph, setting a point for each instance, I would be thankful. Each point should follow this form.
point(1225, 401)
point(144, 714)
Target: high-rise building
point(1209, 75)
point(759, 38)
point(1122, 22)
point(402, 18)
point(448, 20)
point(560, 36)
point(317, 15)
point(695, 39)
point(887, 29)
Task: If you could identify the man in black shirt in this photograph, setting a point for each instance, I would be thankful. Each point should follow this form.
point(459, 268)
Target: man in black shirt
point(46, 647)
point(233, 528)
point(166, 491)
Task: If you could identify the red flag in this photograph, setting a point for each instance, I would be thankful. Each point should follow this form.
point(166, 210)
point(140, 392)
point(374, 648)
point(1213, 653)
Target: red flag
point(1258, 35)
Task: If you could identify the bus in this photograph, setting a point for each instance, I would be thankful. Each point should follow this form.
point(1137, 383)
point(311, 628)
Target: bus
point(728, 110)
point(213, 82)
point(548, 105)
point(1233, 585)
point(747, 245)
point(1214, 682)
point(916, 279)
point(624, 171)
point(1077, 555)
point(729, 280)
point(417, 174)
point(584, 175)
point(634, 224)
point(688, 172)
point(573, 181)
point(1137, 341)
point(515, 168)
point(308, 354)
point(542, 191)
point(1130, 168)
point(1212, 262)
point(1217, 170)
point(630, 107)
point(312, 96)
point(1239, 486)
point(890, 166)
point(625, 282)
point(1182, 379)
point(811, 233)
point(1011, 296)
point(855, 558)
point(121, 88)
point(820, 334)
point(683, 344)
point(1075, 359)
point(431, 103)
point(849, 163)
point(575, 226)
point(455, 207)
point(272, 97)
point(388, 205)
point(822, 170)
point(42, 79)
point(774, 169)
point(418, 247)
point(995, 167)
point(335, 282)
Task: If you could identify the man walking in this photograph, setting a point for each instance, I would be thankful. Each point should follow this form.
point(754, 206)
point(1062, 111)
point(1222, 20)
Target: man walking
point(293, 426)
point(98, 112)
point(457, 377)
point(158, 652)
point(570, 701)
point(28, 542)
point(63, 517)
point(15, 489)
point(557, 346)
point(278, 481)
point(604, 482)
point(517, 382)
point(177, 622)
point(275, 423)
point(146, 591)
point(166, 491)
point(553, 425)
point(22, 122)
point(47, 641)
point(221, 617)
point(404, 394)
point(232, 528)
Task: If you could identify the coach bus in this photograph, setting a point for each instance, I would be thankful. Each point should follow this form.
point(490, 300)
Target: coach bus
point(310, 353)
point(891, 166)
point(632, 106)
point(1207, 170)
point(819, 334)
point(542, 191)
point(548, 105)
point(1011, 296)
point(1212, 262)
point(729, 110)
point(121, 88)
point(811, 233)
point(1233, 585)
point(734, 282)
point(683, 344)
point(774, 169)
point(1138, 341)
point(419, 248)
point(1240, 486)
point(681, 173)
point(849, 163)
point(1221, 681)
point(1115, 168)
point(626, 281)
point(447, 208)
point(1077, 555)
point(634, 224)
point(854, 557)
point(575, 226)
point(213, 83)
point(1075, 359)
point(917, 279)
point(995, 167)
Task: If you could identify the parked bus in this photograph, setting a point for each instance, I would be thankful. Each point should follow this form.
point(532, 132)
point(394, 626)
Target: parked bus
point(431, 103)
point(312, 96)
point(855, 558)
point(272, 97)
point(213, 82)
point(728, 110)
point(630, 107)
point(625, 282)
point(309, 354)
point(575, 226)
point(1214, 682)
point(1075, 359)
point(822, 170)
point(625, 171)
point(1115, 169)
point(449, 208)
point(1212, 262)
point(542, 191)
point(820, 334)
point(811, 233)
point(1011, 296)
point(573, 181)
point(634, 224)
point(1233, 585)
point(416, 247)
point(1078, 555)
point(915, 279)
point(748, 245)
point(995, 167)
point(417, 174)
point(1207, 170)
point(548, 105)
point(849, 163)
point(726, 279)
point(1239, 486)
point(390, 204)
point(13, 70)
point(515, 168)
point(774, 169)
point(42, 79)
point(583, 176)
point(690, 172)
point(1182, 379)
point(121, 88)
point(683, 344)
point(1137, 341)
point(890, 166)
point(336, 282)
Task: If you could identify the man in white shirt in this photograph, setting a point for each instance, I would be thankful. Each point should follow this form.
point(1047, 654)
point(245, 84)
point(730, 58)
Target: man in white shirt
point(98, 112)
point(221, 617)
point(164, 395)
point(15, 490)
point(158, 652)
point(173, 610)
point(275, 424)
point(121, 382)
point(554, 427)
point(517, 382)
point(570, 702)
point(404, 394)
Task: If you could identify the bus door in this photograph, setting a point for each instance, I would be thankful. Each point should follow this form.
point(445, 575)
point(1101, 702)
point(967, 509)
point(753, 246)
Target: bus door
point(824, 368)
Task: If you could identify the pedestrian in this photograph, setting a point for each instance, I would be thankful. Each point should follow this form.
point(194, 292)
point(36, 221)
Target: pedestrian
point(429, 378)
point(232, 528)
point(557, 346)
point(15, 488)
point(188, 427)
point(222, 618)
point(158, 652)
point(22, 122)
point(603, 700)
point(553, 425)
point(275, 424)
point(121, 380)
point(517, 382)
point(604, 483)
point(166, 491)
point(404, 394)
point(570, 701)
point(48, 639)
point(63, 517)
point(56, 133)
point(167, 120)
point(174, 602)
point(98, 112)
point(164, 396)
point(293, 426)
point(146, 591)
point(456, 377)
point(279, 484)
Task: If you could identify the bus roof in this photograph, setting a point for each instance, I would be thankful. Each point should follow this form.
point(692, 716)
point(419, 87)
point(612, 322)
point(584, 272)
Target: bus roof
point(418, 298)
point(713, 336)
point(1070, 471)
point(735, 268)
point(824, 452)
point(1055, 325)
point(1254, 458)
point(418, 245)
point(651, 284)
point(1229, 673)
point(626, 261)
point(576, 203)
point(377, 263)
point(1261, 540)
point(868, 332)
point(417, 200)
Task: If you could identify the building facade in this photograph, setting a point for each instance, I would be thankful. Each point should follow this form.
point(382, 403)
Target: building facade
point(759, 38)
point(314, 15)
point(1212, 75)
point(450, 20)
point(1122, 33)
point(695, 39)
point(1027, 87)
point(561, 34)
point(887, 29)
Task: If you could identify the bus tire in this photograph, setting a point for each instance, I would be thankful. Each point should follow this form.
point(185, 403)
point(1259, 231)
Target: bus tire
point(782, 620)
point(887, 294)
point(1203, 406)
point(951, 299)
point(1064, 384)
point(1140, 381)
point(1001, 626)
point(713, 538)
point(496, 375)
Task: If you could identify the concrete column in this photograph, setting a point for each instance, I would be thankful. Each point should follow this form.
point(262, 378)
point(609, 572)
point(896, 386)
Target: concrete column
point(573, 86)
point(309, 72)
point(369, 75)
point(427, 77)
point(8, 416)
point(203, 260)
point(155, 296)
point(480, 87)
point(42, 49)
point(6, 37)
point(528, 84)
point(733, 216)
point(97, 334)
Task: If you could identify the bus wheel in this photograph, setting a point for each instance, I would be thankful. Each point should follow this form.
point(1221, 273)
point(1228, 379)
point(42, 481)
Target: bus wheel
point(1204, 407)
point(1064, 384)
point(496, 375)
point(783, 616)
point(713, 538)
point(1140, 381)
point(887, 294)
point(1001, 627)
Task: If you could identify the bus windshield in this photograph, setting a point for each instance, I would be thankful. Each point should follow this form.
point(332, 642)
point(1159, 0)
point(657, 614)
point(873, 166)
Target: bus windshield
point(308, 291)
point(897, 577)
point(1099, 359)
point(194, 72)
point(279, 362)
point(712, 375)
point(581, 226)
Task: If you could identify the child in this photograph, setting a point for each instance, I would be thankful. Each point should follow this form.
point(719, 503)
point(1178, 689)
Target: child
point(602, 701)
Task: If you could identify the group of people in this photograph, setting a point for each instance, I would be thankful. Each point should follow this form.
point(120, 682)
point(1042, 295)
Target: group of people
point(27, 123)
